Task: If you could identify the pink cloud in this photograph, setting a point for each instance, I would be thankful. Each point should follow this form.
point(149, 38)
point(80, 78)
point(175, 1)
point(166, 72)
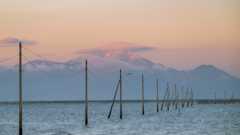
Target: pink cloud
point(118, 46)
point(12, 40)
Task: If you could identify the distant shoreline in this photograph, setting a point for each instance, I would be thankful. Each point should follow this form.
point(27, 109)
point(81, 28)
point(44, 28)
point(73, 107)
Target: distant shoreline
point(83, 101)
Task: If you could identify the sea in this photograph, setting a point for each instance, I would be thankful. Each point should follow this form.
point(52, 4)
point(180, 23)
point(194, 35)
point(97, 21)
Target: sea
point(68, 118)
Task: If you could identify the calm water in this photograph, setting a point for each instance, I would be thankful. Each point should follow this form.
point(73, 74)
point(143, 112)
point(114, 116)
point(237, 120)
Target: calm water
point(68, 119)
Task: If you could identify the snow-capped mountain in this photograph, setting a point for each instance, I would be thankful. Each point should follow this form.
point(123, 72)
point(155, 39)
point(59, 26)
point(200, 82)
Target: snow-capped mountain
point(129, 57)
point(120, 57)
point(43, 85)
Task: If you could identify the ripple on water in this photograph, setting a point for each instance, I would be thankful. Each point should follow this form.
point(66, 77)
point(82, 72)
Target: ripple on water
point(68, 119)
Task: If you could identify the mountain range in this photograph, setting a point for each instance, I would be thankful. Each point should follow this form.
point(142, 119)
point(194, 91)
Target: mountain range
point(47, 80)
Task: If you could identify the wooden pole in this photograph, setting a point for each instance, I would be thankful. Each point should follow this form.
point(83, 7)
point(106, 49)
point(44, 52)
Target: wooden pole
point(120, 94)
point(187, 97)
point(168, 99)
point(215, 97)
point(225, 96)
point(182, 97)
point(157, 95)
point(164, 99)
point(178, 104)
point(192, 99)
point(175, 97)
point(233, 97)
point(142, 95)
point(113, 100)
point(20, 88)
point(86, 100)
point(167, 94)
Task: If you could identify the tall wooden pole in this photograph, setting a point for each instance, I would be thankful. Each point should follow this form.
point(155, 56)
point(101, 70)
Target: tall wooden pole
point(86, 101)
point(120, 94)
point(225, 96)
point(168, 99)
point(164, 99)
point(157, 95)
point(113, 100)
point(167, 94)
point(175, 96)
point(233, 97)
point(142, 96)
point(187, 97)
point(178, 103)
point(191, 97)
point(20, 88)
point(215, 97)
point(182, 97)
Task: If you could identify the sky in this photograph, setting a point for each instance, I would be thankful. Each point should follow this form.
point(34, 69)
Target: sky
point(185, 33)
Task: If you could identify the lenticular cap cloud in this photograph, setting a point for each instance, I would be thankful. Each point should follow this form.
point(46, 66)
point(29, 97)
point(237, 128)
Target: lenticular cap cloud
point(118, 46)
point(12, 40)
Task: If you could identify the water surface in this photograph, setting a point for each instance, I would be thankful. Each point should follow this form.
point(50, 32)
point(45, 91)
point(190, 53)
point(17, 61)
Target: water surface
point(68, 118)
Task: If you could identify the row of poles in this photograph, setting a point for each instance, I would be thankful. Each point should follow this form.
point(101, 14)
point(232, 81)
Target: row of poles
point(168, 102)
point(86, 93)
point(215, 101)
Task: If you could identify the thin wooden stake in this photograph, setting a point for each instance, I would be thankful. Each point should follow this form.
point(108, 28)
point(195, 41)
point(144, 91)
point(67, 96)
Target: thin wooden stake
point(192, 98)
point(215, 97)
point(225, 96)
point(142, 95)
point(113, 100)
point(120, 94)
point(175, 97)
point(182, 97)
point(164, 99)
point(157, 95)
point(20, 88)
point(86, 100)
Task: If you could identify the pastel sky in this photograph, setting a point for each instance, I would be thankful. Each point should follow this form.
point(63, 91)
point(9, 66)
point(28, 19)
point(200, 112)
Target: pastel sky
point(185, 33)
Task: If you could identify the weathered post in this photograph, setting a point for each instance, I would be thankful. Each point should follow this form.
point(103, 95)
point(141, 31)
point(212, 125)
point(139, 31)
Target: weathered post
point(164, 97)
point(20, 88)
point(167, 94)
point(178, 104)
point(172, 98)
point(182, 97)
point(113, 100)
point(175, 94)
point(157, 95)
point(175, 97)
point(233, 97)
point(168, 99)
point(86, 101)
point(142, 95)
point(120, 94)
point(215, 97)
point(225, 96)
point(192, 99)
point(187, 97)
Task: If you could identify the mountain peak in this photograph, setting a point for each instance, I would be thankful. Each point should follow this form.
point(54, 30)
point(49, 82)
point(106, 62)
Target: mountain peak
point(117, 54)
point(206, 67)
point(80, 58)
point(210, 71)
